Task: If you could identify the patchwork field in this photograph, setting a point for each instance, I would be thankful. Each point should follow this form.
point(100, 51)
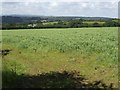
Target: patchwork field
point(60, 57)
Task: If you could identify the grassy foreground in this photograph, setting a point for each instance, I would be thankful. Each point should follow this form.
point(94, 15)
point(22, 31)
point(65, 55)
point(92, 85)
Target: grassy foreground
point(52, 55)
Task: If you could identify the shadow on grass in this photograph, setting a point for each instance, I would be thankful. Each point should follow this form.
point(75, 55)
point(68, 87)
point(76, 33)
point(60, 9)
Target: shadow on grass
point(4, 52)
point(50, 80)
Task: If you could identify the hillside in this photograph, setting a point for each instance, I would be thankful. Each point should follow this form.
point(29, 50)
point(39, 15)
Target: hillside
point(23, 19)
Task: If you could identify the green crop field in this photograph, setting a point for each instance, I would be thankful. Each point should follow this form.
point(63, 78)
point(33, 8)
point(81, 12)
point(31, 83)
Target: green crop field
point(93, 52)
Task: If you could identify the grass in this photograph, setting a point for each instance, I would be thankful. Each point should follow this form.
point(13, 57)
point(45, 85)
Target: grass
point(90, 51)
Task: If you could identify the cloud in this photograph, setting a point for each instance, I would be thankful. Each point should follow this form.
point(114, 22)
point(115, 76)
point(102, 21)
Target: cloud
point(54, 4)
point(60, 1)
point(108, 9)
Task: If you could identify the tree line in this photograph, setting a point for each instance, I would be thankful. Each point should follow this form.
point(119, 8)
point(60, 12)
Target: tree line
point(78, 23)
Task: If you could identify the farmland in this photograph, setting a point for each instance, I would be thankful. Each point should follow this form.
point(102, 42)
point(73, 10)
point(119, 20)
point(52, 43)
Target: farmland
point(94, 22)
point(88, 22)
point(50, 23)
point(91, 51)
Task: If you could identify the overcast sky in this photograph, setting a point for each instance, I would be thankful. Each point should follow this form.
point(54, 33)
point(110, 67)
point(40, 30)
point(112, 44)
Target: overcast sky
point(96, 9)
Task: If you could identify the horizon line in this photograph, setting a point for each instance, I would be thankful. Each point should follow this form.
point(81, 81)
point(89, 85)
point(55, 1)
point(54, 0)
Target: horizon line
point(55, 15)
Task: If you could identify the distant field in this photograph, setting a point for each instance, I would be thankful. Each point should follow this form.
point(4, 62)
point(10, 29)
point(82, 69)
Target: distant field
point(94, 22)
point(49, 23)
point(91, 51)
point(88, 22)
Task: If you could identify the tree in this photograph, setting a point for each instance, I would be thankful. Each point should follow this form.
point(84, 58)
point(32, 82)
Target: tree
point(39, 25)
point(76, 23)
point(96, 24)
point(60, 22)
point(111, 23)
point(9, 26)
